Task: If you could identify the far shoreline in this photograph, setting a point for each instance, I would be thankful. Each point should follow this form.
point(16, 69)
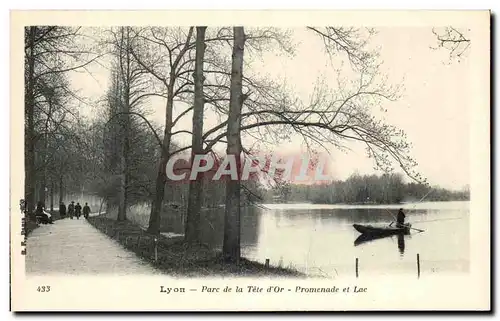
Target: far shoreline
point(407, 205)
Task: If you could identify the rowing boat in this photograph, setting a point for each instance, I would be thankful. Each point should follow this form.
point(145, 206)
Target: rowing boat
point(382, 230)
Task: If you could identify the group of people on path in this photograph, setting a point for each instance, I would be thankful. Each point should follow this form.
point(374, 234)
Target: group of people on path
point(74, 210)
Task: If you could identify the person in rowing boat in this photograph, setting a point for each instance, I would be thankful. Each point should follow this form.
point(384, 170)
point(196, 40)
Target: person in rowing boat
point(400, 219)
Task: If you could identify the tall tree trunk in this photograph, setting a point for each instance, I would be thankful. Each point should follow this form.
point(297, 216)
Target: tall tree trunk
point(36, 196)
point(100, 206)
point(29, 127)
point(41, 190)
point(61, 188)
point(122, 205)
point(122, 188)
point(231, 245)
point(51, 196)
point(195, 186)
point(161, 177)
point(154, 217)
point(44, 162)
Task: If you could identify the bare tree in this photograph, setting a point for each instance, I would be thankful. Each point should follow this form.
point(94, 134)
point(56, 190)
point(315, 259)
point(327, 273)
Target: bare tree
point(353, 42)
point(132, 85)
point(231, 245)
point(334, 115)
point(247, 105)
point(49, 50)
point(171, 67)
point(454, 40)
point(195, 186)
point(168, 69)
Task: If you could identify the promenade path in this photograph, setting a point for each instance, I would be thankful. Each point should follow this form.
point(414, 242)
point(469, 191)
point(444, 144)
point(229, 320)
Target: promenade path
point(75, 247)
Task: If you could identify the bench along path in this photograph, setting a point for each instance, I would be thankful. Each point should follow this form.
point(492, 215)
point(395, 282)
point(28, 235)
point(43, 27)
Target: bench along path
point(76, 247)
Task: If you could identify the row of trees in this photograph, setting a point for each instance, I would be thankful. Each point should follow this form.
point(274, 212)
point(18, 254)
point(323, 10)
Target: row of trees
point(120, 155)
point(200, 71)
point(364, 189)
point(53, 127)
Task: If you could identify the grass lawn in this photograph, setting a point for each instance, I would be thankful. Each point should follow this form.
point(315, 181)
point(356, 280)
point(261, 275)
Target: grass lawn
point(176, 258)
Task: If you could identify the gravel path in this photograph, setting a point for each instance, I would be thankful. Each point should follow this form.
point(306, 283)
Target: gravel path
point(75, 247)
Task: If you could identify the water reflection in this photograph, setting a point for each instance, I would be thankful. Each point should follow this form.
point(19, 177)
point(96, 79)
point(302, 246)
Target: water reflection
point(401, 244)
point(212, 225)
point(314, 237)
point(366, 238)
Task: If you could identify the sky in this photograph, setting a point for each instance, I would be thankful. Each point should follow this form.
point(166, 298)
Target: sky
point(433, 110)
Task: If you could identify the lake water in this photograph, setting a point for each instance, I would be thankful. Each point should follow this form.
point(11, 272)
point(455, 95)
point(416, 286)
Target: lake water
point(320, 240)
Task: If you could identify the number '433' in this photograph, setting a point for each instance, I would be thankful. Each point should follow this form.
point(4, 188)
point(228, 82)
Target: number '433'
point(43, 288)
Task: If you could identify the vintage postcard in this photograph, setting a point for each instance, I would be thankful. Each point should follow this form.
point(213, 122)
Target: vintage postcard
point(250, 160)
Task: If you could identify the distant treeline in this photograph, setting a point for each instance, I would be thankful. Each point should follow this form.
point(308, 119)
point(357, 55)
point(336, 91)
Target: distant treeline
point(364, 189)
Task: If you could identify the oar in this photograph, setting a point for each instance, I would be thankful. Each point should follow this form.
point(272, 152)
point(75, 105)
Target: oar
point(394, 217)
point(416, 229)
point(424, 197)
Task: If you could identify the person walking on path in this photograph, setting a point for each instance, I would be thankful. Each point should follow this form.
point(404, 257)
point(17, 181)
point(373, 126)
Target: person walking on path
point(78, 210)
point(62, 210)
point(86, 211)
point(71, 209)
